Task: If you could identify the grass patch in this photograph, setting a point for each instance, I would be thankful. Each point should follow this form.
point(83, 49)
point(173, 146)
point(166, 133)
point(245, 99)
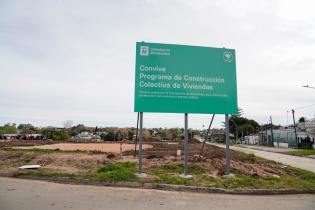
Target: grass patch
point(170, 174)
point(303, 174)
point(10, 149)
point(112, 172)
point(248, 157)
point(27, 159)
point(179, 168)
point(48, 174)
point(173, 179)
point(115, 172)
point(48, 151)
point(302, 152)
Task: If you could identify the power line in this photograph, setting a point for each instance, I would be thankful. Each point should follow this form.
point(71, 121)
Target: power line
point(307, 86)
point(302, 107)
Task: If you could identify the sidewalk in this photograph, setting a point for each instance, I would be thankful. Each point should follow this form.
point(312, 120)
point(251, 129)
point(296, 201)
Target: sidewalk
point(265, 148)
point(295, 161)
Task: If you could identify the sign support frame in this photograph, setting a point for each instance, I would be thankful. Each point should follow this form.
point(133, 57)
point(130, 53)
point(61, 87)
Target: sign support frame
point(135, 149)
point(227, 146)
point(186, 147)
point(140, 144)
point(217, 77)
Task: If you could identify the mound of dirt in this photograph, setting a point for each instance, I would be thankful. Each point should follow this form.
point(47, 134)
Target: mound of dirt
point(213, 159)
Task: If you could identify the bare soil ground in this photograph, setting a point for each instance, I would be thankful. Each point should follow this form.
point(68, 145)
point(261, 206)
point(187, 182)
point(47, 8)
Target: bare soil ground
point(155, 155)
point(102, 147)
point(213, 160)
point(54, 162)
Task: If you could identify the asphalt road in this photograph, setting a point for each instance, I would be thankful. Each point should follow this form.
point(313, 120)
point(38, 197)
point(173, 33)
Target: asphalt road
point(19, 194)
point(295, 161)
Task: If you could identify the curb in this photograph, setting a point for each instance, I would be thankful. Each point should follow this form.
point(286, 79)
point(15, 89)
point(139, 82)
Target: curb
point(157, 186)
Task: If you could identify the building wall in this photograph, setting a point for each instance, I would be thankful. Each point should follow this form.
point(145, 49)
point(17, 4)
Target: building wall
point(310, 126)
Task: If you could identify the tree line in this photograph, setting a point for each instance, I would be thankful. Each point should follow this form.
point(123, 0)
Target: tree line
point(239, 126)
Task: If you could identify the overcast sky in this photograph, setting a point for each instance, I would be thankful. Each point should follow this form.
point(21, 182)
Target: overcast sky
point(74, 60)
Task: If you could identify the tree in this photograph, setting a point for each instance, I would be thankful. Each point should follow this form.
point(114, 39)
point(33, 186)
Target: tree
point(25, 126)
point(55, 135)
point(239, 124)
point(234, 122)
point(67, 124)
point(108, 136)
point(8, 129)
point(28, 129)
point(247, 128)
point(146, 135)
point(302, 119)
point(75, 130)
point(161, 132)
point(131, 132)
point(174, 133)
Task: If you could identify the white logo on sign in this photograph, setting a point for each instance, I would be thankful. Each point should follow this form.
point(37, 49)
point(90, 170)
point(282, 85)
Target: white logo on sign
point(144, 50)
point(227, 56)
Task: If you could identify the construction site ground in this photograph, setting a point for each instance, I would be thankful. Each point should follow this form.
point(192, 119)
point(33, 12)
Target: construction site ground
point(160, 163)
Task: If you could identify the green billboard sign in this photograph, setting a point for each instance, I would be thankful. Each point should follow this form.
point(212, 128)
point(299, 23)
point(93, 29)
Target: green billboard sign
point(185, 79)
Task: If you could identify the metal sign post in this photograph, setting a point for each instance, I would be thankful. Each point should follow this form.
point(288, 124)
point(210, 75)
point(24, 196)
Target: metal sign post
point(135, 150)
point(206, 137)
point(186, 147)
point(227, 149)
point(140, 143)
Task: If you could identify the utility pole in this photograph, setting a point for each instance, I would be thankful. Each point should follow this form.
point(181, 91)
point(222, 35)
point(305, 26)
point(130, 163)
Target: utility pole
point(271, 129)
point(294, 127)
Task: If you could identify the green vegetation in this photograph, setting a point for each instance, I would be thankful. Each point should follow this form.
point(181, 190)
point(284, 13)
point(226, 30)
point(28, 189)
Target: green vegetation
point(240, 124)
point(111, 172)
point(115, 172)
point(108, 137)
point(170, 174)
point(17, 149)
point(28, 129)
point(204, 174)
point(126, 172)
point(302, 152)
point(47, 174)
point(48, 151)
point(56, 135)
point(8, 129)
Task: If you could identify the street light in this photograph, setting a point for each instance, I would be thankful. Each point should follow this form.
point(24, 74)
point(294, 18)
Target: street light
point(307, 86)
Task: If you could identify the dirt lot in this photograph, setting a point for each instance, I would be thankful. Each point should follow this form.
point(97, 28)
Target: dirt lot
point(160, 163)
point(102, 147)
point(155, 155)
point(56, 162)
point(213, 159)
